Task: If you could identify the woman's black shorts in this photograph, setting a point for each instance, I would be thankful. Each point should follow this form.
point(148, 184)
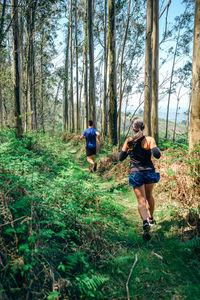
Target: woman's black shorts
point(90, 151)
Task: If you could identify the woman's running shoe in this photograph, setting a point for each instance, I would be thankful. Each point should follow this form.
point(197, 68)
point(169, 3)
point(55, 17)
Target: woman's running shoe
point(146, 234)
point(152, 221)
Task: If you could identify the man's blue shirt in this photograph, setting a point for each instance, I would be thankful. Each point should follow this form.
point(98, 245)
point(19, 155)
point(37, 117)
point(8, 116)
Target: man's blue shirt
point(90, 135)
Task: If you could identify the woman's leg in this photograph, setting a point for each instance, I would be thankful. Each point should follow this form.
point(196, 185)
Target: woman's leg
point(150, 199)
point(141, 198)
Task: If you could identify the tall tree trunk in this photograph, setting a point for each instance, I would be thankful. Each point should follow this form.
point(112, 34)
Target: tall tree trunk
point(41, 91)
point(125, 114)
point(92, 100)
point(176, 115)
point(171, 80)
point(85, 67)
point(120, 80)
point(54, 107)
point(28, 68)
point(81, 106)
point(16, 68)
point(194, 135)
point(1, 104)
point(104, 112)
point(66, 96)
point(31, 99)
point(71, 74)
point(2, 21)
point(112, 74)
point(22, 66)
point(188, 117)
point(77, 95)
point(154, 109)
point(148, 68)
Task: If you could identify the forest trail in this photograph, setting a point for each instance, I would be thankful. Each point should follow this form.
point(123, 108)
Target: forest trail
point(163, 268)
point(87, 228)
point(124, 195)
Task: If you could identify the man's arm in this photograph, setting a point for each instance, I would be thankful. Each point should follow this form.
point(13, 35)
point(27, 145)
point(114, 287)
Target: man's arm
point(82, 135)
point(98, 139)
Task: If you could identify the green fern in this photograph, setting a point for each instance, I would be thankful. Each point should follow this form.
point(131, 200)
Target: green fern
point(89, 285)
point(193, 243)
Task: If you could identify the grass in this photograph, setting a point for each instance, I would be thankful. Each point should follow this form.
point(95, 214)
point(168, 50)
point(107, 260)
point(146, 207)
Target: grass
point(79, 233)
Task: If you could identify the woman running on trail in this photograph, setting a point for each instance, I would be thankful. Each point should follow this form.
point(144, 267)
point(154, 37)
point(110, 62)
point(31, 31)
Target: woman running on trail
point(90, 134)
point(142, 172)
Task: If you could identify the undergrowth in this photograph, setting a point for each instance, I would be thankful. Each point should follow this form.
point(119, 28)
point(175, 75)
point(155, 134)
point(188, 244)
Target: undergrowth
point(69, 234)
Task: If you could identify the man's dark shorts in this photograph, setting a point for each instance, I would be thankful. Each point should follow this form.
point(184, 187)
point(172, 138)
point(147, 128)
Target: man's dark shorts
point(90, 151)
point(138, 179)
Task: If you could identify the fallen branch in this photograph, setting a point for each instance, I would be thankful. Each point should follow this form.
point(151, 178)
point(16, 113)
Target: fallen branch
point(125, 297)
point(157, 255)
point(28, 218)
point(127, 289)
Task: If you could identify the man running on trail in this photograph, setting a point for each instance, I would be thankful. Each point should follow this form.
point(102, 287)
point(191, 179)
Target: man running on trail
point(90, 134)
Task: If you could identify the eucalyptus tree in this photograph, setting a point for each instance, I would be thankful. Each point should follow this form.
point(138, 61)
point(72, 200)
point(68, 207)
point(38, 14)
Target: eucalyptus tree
point(66, 82)
point(6, 83)
point(194, 136)
point(112, 73)
point(183, 32)
point(132, 52)
point(155, 55)
point(120, 83)
point(85, 65)
point(31, 94)
point(104, 110)
point(92, 100)
point(16, 67)
point(2, 21)
point(148, 68)
point(77, 84)
point(71, 113)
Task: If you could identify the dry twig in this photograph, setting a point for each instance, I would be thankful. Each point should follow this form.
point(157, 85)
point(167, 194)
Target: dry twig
point(127, 289)
point(28, 218)
point(157, 255)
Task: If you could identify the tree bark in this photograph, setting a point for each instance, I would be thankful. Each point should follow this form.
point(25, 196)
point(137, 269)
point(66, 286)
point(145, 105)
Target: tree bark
point(16, 68)
point(1, 105)
point(66, 96)
point(2, 21)
point(104, 112)
point(125, 115)
point(194, 135)
point(77, 95)
point(154, 108)
point(85, 67)
point(92, 100)
point(54, 107)
point(188, 117)
point(71, 75)
point(112, 74)
point(31, 99)
point(176, 115)
point(41, 91)
point(148, 69)
point(120, 80)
